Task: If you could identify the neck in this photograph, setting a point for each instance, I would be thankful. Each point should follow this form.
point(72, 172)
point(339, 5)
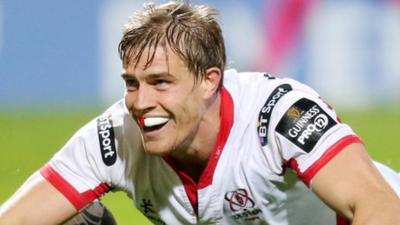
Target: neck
point(194, 158)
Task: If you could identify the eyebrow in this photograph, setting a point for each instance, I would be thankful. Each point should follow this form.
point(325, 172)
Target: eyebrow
point(126, 76)
point(152, 76)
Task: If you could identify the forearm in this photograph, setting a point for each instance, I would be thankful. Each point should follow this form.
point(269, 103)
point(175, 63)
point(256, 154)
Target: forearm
point(36, 202)
point(382, 209)
point(12, 211)
point(6, 216)
point(352, 185)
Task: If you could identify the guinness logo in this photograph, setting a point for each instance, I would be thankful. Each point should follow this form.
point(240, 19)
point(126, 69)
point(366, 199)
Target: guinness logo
point(294, 112)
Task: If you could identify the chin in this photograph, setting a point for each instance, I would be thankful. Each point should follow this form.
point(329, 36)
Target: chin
point(156, 149)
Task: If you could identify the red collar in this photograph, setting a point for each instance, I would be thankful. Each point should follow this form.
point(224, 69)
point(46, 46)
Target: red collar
point(226, 122)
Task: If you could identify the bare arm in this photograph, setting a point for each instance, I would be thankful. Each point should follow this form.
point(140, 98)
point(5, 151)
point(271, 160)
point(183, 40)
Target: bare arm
point(352, 185)
point(36, 202)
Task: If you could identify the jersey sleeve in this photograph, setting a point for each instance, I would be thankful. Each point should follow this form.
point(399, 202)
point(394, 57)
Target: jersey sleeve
point(306, 133)
point(82, 169)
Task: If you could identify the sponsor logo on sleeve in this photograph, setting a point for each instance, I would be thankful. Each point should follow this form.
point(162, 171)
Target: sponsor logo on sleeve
point(105, 132)
point(266, 111)
point(304, 123)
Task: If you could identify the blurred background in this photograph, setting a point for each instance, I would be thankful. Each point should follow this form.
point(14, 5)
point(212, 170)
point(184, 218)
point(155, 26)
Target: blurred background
point(59, 67)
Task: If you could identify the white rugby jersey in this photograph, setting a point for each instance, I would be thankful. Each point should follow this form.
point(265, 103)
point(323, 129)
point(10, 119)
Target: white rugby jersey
point(268, 125)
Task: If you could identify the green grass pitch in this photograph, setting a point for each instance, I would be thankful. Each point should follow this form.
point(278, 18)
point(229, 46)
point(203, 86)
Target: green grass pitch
point(29, 138)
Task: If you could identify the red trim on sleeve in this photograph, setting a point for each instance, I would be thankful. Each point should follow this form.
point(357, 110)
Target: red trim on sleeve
point(79, 200)
point(327, 156)
point(340, 220)
point(294, 165)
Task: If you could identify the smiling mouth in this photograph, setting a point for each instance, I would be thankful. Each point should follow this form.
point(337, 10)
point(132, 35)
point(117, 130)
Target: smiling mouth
point(153, 123)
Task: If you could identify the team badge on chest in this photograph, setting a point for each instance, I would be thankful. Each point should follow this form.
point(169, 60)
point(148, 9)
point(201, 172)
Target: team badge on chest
point(241, 206)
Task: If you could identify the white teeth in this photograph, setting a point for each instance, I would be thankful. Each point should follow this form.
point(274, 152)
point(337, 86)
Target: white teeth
point(154, 121)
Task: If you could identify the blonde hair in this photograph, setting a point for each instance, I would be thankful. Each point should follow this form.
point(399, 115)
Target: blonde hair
point(191, 31)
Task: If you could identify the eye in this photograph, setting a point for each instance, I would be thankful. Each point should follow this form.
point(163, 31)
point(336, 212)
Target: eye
point(161, 84)
point(131, 84)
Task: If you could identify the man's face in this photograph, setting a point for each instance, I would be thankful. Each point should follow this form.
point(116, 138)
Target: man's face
point(165, 101)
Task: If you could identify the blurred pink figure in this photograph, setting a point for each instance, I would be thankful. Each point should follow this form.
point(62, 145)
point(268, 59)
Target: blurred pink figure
point(283, 21)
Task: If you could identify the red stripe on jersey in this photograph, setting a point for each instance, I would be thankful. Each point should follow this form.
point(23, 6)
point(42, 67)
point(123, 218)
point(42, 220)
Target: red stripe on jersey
point(226, 115)
point(79, 200)
point(340, 220)
point(327, 156)
point(188, 183)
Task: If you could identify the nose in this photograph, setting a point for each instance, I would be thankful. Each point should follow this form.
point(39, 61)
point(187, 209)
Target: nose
point(144, 100)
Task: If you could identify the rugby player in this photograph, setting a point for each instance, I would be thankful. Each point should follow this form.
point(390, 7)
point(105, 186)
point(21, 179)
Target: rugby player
point(193, 143)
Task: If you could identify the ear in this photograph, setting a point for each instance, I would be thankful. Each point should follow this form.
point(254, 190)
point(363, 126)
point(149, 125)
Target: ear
point(211, 81)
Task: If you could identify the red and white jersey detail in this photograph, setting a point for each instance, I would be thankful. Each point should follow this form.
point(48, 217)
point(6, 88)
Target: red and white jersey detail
point(276, 134)
point(78, 199)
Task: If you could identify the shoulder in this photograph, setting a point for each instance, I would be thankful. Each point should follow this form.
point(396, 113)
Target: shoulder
point(103, 147)
point(261, 84)
point(105, 135)
point(113, 118)
point(262, 92)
